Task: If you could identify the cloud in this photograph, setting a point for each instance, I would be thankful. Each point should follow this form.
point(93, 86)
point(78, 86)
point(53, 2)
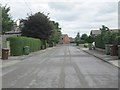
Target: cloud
point(61, 6)
point(108, 7)
point(64, 11)
point(73, 15)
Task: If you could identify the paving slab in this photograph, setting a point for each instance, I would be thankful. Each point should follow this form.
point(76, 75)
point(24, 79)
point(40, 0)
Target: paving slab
point(107, 58)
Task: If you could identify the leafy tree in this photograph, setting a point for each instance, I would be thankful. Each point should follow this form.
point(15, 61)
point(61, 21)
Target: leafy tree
point(90, 39)
point(56, 33)
point(99, 43)
point(37, 26)
point(77, 39)
point(84, 37)
point(104, 29)
point(117, 40)
point(103, 38)
point(107, 38)
point(7, 22)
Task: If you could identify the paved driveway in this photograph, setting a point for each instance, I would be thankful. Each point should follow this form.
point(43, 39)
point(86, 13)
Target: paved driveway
point(63, 66)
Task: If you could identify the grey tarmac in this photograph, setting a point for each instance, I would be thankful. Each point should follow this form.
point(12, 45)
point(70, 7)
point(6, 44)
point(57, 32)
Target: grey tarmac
point(63, 66)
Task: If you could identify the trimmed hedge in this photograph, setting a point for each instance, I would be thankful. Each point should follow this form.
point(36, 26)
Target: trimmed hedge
point(17, 44)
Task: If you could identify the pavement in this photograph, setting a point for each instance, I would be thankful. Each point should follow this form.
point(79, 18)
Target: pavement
point(99, 53)
point(64, 66)
point(16, 59)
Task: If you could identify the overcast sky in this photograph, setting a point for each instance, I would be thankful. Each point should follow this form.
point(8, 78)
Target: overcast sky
point(73, 15)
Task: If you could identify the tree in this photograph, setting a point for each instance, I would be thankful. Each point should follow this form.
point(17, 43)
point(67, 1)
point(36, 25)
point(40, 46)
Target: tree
point(37, 26)
point(90, 39)
point(104, 29)
point(77, 39)
point(84, 37)
point(107, 38)
point(117, 40)
point(56, 33)
point(7, 22)
point(103, 38)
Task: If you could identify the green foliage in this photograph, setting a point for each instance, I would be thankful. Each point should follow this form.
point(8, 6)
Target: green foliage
point(99, 43)
point(107, 38)
point(37, 26)
point(84, 37)
point(77, 39)
point(104, 29)
point(7, 22)
point(17, 44)
point(90, 39)
point(110, 38)
point(56, 33)
point(86, 45)
point(82, 42)
point(117, 39)
point(113, 38)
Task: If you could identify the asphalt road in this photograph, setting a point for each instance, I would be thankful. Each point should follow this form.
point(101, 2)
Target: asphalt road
point(63, 66)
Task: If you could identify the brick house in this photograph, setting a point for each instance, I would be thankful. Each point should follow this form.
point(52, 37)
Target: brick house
point(64, 39)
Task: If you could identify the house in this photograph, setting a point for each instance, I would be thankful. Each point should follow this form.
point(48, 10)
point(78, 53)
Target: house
point(6, 44)
point(97, 32)
point(13, 33)
point(64, 39)
point(114, 30)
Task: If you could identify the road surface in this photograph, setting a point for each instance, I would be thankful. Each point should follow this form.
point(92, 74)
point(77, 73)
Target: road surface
point(63, 66)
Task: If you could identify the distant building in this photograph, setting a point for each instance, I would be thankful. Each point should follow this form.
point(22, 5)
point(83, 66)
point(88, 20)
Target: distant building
point(64, 39)
point(96, 32)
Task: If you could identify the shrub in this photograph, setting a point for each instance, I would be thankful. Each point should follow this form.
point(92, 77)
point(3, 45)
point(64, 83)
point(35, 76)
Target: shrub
point(17, 44)
point(118, 40)
point(82, 41)
point(90, 39)
point(99, 43)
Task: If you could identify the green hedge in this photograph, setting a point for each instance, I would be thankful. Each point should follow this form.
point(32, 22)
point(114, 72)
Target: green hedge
point(17, 44)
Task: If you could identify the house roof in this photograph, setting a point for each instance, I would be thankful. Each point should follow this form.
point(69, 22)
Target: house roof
point(114, 30)
point(64, 35)
point(96, 32)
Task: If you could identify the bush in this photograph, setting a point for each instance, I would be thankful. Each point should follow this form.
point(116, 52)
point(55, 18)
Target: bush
point(90, 39)
point(17, 44)
point(118, 40)
point(86, 45)
point(99, 43)
point(82, 41)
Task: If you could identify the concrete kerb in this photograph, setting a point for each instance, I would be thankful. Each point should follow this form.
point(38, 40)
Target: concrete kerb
point(100, 58)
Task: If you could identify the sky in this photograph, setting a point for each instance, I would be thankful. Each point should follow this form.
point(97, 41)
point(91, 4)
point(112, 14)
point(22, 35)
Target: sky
point(73, 15)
